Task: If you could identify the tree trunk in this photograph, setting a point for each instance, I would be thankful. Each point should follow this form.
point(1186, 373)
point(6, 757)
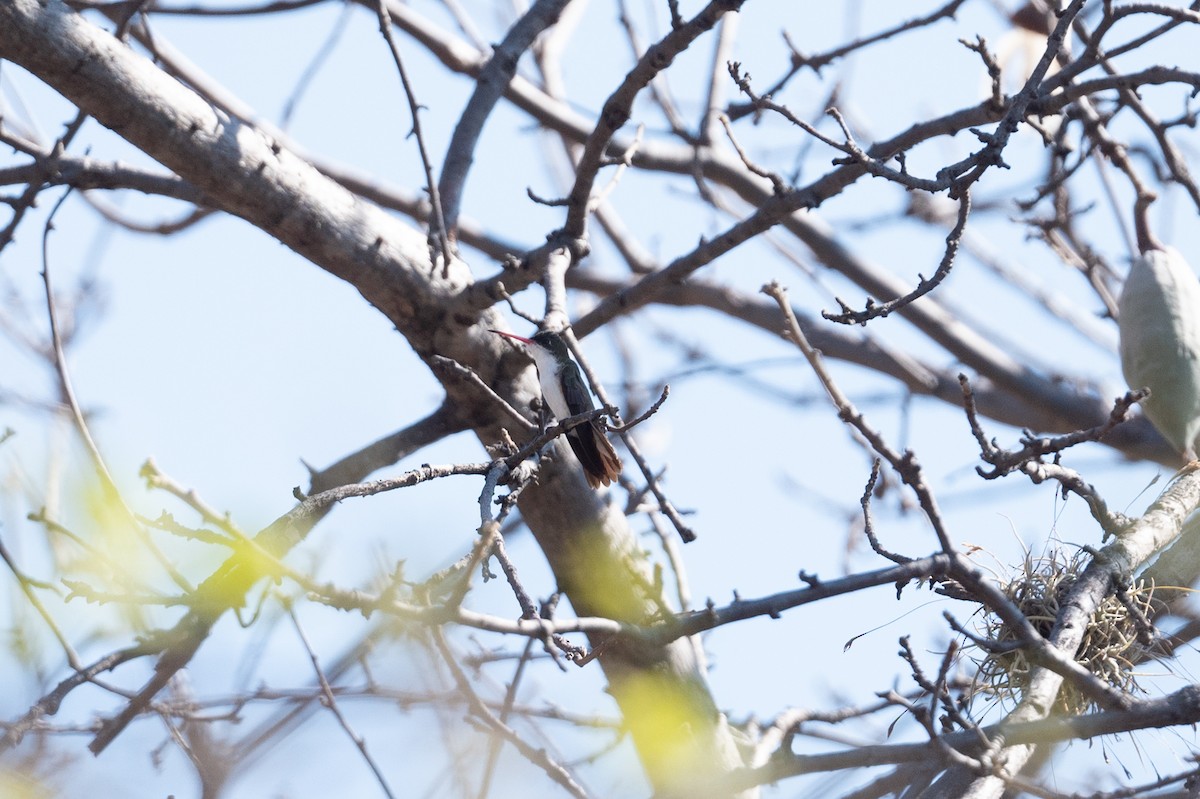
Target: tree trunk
point(682, 739)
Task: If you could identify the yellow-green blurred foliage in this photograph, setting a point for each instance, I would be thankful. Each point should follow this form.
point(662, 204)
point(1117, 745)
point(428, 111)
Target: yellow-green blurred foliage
point(611, 583)
point(667, 722)
point(14, 785)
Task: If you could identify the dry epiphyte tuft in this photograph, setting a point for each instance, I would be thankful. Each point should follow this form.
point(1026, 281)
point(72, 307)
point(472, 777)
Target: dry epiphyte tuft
point(1111, 645)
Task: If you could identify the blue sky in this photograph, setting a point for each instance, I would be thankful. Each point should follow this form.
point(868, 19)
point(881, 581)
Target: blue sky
point(229, 361)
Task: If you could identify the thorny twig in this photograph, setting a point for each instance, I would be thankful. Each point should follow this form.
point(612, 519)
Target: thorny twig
point(937, 694)
point(924, 285)
point(489, 87)
point(1029, 459)
point(665, 505)
point(818, 61)
point(619, 104)
point(438, 232)
point(653, 409)
point(869, 522)
point(905, 463)
point(962, 570)
point(538, 757)
point(329, 700)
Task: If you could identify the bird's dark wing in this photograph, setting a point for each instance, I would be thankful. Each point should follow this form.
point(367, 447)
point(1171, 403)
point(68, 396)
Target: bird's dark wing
point(591, 446)
point(575, 389)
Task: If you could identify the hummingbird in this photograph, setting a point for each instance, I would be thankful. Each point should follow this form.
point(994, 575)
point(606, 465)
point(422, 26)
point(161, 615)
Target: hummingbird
point(566, 393)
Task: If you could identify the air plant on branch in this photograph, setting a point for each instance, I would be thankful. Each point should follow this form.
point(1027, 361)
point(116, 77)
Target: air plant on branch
point(1114, 643)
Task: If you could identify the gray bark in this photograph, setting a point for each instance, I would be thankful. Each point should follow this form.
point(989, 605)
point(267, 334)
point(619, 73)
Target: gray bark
point(681, 737)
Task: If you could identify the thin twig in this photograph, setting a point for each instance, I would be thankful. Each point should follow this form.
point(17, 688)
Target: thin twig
point(489, 88)
point(329, 700)
point(437, 228)
point(818, 61)
point(111, 492)
point(619, 105)
point(924, 285)
point(905, 463)
point(538, 757)
point(665, 505)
